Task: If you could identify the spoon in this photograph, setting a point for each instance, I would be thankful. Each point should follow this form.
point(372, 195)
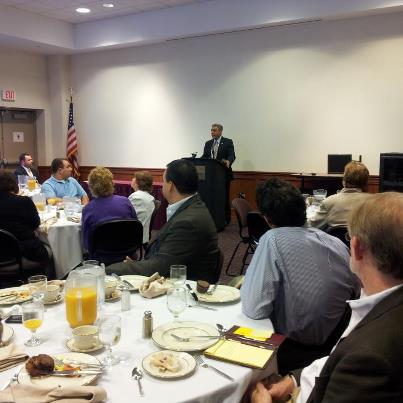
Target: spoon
point(137, 374)
point(221, 329)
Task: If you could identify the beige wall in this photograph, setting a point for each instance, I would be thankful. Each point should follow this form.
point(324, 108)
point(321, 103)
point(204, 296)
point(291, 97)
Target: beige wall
point(288, 96)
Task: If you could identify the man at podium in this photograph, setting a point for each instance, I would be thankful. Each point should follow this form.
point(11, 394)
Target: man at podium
point(222, 149)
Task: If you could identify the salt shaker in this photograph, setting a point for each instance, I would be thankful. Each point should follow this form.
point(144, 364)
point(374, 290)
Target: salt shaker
point(125, 299)
point(147, 324)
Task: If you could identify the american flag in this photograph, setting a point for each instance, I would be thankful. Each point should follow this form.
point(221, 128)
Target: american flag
point(72, 145)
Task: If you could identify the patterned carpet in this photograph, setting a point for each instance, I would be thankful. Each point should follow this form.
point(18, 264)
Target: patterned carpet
point(227, 241)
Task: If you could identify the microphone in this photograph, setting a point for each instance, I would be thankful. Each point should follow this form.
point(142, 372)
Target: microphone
point(194, 154)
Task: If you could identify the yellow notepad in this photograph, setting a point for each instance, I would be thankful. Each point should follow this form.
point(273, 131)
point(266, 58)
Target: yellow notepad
point(244, 354)
point(254, 334)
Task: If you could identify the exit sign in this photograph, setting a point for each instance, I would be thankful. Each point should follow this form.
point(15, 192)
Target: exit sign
point(8, 95)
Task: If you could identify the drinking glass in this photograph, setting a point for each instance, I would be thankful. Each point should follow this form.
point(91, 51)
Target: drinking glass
point(32, 318)
point(22, 181)
point(37, 286)
point(40, 202)
point(109, 333)
point(319, 195)
point(176, 301)
point(178, 275)
point(31, 183)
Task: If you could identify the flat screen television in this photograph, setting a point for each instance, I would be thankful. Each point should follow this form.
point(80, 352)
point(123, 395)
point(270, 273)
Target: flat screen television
point(337, 162)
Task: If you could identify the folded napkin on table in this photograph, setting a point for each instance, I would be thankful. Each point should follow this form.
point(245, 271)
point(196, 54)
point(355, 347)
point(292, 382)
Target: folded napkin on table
point(45, 225)
point(154, 286)
point(10, 356)
point(19, 393)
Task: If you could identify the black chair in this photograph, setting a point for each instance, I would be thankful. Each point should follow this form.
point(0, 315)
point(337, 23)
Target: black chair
point(339, 231)
point(111, 241)
point(14, 269)
point(242, 208)
point(257, 226)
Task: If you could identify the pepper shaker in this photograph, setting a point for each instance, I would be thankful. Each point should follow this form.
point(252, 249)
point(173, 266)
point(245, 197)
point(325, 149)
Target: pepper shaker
point(147, 324)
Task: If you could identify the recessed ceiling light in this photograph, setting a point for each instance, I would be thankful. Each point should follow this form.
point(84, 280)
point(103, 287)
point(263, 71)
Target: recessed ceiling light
point(108, 5)
point(83, 10)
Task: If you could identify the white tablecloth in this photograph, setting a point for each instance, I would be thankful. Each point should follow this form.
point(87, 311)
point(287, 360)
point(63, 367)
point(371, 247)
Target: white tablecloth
point(203, 386)
point(64, 237)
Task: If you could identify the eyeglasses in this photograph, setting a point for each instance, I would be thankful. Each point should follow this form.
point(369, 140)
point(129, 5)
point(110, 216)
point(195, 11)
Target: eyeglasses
point(347, 237)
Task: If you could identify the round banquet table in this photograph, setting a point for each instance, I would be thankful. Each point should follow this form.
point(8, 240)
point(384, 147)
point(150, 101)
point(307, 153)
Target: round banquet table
point(203, 386)
point(64, 238)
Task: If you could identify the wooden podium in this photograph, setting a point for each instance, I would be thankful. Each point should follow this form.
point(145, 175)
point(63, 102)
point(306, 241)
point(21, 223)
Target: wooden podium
point(212, 176)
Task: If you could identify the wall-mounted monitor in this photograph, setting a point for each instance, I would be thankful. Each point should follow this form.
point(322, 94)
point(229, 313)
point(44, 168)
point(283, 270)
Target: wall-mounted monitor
point(337, 162)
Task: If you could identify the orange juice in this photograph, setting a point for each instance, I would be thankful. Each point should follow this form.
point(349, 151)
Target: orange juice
point(32, 324)
point(40, 206)
point(31, 184)
point(81, 306)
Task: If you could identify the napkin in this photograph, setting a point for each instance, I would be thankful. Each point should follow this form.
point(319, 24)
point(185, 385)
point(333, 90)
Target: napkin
point(45, 225)
point(20, 393)
point(10, 356)
point(154, 286)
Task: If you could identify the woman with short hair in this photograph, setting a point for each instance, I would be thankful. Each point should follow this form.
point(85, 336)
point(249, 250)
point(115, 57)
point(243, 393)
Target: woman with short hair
point(105, 206)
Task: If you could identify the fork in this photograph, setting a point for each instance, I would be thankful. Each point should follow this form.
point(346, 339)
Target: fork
point(203, 364)
point(186, 339)
point(12, 380)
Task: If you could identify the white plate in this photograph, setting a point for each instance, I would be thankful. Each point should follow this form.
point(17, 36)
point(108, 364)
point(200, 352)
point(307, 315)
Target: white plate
point(54, 381)
point(187, 365)
point(72, 347)
point(11, 301)
point(223, 293)
point(114, 296)
point(135, 280)
point(56, 301)
point(162, 336)
point(8, 333)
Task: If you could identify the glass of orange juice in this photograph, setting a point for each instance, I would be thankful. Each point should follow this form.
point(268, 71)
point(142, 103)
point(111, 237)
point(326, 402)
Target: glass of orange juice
point(31, 183)
point(32, 318)
point(81, 299)
point(40, 202)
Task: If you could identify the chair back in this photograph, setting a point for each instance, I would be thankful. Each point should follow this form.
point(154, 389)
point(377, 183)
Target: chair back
point(257, 225)
point(10, 256)
point(242, 208)
point(111, 241)
point(157, 205)
point(339, 231)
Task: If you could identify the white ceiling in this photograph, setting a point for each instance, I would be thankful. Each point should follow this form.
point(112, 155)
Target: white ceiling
point(65, 10)
point(54, 27)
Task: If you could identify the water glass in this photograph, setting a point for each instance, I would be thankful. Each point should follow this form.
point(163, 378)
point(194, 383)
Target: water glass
point(178, 275)
point(32, 318)
point(176, 301)
point(319, 195)
point(22, 181)
point(110, 329)
point(38, 286)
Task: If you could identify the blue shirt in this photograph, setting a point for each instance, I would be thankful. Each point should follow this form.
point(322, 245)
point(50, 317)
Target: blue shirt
point(300, 279)
point(53, 187)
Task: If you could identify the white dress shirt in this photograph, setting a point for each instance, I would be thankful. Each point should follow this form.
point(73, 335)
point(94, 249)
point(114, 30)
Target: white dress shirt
point(359, 309)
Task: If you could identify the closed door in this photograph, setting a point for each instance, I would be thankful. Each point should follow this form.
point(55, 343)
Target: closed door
point(18, 134)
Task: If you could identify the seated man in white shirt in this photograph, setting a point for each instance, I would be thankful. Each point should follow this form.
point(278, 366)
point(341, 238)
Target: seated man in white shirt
point(366, 364)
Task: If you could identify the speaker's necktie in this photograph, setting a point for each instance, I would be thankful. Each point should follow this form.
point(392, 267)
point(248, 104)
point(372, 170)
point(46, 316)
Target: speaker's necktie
point(215, 149)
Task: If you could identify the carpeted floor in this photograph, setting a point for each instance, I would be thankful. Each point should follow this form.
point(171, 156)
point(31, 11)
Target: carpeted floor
point(227, 241)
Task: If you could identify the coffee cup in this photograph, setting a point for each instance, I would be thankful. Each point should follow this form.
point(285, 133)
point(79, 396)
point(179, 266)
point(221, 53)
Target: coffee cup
point(110, 286)
point(52, 293)
point(85, 337)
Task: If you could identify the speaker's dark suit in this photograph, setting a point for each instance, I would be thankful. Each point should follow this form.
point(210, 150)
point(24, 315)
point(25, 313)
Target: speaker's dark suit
point(189, 237)
point(225, 152)
point(366, 366)
point(21, 171)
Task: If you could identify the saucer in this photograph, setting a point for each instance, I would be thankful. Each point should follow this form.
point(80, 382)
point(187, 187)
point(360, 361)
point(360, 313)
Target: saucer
point(56, 301)
point(72, 347)
point(114, 296)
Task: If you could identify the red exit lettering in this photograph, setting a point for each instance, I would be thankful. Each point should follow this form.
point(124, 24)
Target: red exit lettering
point(8, 95)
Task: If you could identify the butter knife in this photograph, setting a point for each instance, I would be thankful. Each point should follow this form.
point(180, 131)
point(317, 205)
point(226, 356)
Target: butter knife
point(75, 373)
point(192, 293)
point(209, 308)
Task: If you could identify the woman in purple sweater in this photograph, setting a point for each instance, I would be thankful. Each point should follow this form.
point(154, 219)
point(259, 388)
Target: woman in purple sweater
point(105, 206)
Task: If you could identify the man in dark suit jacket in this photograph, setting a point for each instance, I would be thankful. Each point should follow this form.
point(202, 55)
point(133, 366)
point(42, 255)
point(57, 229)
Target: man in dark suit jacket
point(366, 364)
point(26, 166)
point(221, 149)
point(189, 237)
